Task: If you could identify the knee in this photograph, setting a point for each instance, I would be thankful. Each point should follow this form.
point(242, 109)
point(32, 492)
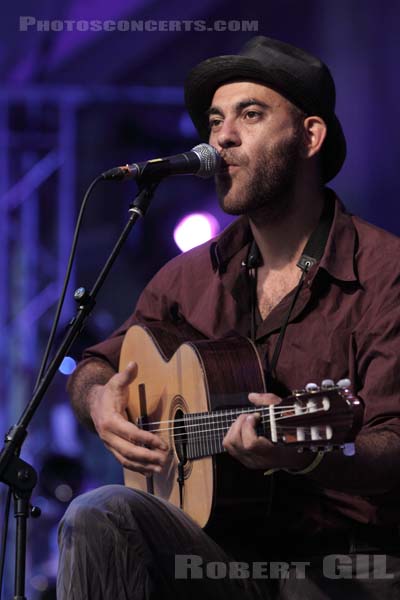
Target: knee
point(97, 510)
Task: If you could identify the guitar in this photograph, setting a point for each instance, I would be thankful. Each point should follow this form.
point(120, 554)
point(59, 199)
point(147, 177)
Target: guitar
point(191, 394)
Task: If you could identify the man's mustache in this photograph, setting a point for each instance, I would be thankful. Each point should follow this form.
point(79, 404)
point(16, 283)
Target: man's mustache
point(233, 158)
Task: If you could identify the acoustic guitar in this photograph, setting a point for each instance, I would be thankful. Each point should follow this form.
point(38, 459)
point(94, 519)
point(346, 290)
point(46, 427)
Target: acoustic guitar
point(192, 393)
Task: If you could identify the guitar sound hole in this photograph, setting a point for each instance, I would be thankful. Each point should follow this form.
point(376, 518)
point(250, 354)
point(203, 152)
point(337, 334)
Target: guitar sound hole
point(180, 437)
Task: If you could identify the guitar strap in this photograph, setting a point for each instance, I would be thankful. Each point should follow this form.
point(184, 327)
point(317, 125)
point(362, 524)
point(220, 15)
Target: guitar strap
point(311, 254)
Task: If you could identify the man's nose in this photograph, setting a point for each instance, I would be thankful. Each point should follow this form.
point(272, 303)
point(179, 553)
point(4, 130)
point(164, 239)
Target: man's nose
point(227, 135)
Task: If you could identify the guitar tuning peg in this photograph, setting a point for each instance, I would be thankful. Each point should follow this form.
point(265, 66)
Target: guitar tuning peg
point(327, 383)
point(312, 387)
point(349, 449)
point(344, 383)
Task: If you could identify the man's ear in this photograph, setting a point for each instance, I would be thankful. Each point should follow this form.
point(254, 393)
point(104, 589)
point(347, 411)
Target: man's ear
point(315, 131)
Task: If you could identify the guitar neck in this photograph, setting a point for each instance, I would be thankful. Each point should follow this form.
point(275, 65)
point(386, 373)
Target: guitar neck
point(202, 433)
point(318, 419)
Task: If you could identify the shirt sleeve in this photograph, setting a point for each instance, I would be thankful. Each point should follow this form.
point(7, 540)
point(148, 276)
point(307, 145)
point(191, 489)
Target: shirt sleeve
point(158, 305)
point(378, 358)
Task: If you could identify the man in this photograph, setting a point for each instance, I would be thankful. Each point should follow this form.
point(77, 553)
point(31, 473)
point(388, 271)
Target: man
point(317, 289)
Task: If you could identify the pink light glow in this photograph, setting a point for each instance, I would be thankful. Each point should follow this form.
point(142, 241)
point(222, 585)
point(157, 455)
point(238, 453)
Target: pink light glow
point(195, 229)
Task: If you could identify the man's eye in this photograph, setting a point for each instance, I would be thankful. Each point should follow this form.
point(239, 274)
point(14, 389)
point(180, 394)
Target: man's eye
point(252, 114)
point(214, 123)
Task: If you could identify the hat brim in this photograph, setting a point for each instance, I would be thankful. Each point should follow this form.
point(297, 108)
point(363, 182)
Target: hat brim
point(210, 74)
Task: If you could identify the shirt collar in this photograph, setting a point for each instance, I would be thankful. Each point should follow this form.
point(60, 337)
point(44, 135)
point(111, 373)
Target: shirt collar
point(235, 237)
point(338, 258)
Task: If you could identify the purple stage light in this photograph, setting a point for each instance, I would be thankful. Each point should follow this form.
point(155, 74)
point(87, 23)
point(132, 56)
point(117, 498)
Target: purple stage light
point(67, 366)
point(195, 229)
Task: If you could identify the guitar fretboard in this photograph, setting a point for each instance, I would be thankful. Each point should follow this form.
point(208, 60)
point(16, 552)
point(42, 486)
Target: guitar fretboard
point(316, 419)
point(202, 433)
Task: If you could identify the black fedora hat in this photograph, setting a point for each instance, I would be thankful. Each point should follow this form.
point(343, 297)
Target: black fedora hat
point(295, 74)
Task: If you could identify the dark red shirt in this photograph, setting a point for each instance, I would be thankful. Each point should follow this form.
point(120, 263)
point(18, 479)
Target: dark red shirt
point(345, 323)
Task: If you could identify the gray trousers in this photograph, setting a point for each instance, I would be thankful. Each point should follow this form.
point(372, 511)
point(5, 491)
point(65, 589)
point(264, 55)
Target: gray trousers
point(120, 544)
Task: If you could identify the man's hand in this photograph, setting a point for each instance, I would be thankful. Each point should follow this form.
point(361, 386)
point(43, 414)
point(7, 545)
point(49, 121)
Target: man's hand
point(256, 452)
point(107, 405)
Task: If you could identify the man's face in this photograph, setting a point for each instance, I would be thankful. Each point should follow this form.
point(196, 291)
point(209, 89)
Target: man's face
point(257, 135)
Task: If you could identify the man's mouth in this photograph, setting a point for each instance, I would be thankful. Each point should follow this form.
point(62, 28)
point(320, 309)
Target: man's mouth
point(227, 166)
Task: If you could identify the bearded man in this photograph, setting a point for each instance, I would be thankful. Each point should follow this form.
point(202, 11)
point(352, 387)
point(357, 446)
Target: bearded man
point(317, 290)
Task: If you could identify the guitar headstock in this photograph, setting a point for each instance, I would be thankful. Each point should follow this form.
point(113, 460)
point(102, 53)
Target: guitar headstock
point(319, 417)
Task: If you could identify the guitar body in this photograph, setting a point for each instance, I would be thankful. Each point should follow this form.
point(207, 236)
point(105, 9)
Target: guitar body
point(190, 393)
point(195, 377)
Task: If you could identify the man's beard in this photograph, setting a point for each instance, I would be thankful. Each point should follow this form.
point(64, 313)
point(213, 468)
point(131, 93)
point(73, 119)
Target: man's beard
point(267, 191)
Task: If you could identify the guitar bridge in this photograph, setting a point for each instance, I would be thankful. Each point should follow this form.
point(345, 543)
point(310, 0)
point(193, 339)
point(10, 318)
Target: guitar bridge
point(142, 423)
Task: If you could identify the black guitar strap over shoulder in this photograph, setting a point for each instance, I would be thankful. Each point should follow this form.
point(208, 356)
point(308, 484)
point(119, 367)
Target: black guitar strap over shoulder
point(315, 246)
point(311, 254)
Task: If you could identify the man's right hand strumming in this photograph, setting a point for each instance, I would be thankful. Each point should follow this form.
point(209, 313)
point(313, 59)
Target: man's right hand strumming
point(133, 447)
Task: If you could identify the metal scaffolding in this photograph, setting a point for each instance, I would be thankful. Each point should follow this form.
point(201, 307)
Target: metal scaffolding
point(31, 272)
point(38, 137)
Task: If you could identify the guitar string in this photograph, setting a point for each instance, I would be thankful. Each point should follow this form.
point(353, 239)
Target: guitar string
point(226, 426)
point(215, 419)
point(199, 435)
point(217, 438)
point(213, 438)
point(190, 423)
point(209, 438)
point(228, 411)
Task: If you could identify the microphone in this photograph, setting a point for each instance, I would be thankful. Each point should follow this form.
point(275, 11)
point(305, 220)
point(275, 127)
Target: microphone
point(203, 160)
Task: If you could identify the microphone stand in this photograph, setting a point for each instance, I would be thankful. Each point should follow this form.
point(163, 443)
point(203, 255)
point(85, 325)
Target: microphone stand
point(15, 472)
